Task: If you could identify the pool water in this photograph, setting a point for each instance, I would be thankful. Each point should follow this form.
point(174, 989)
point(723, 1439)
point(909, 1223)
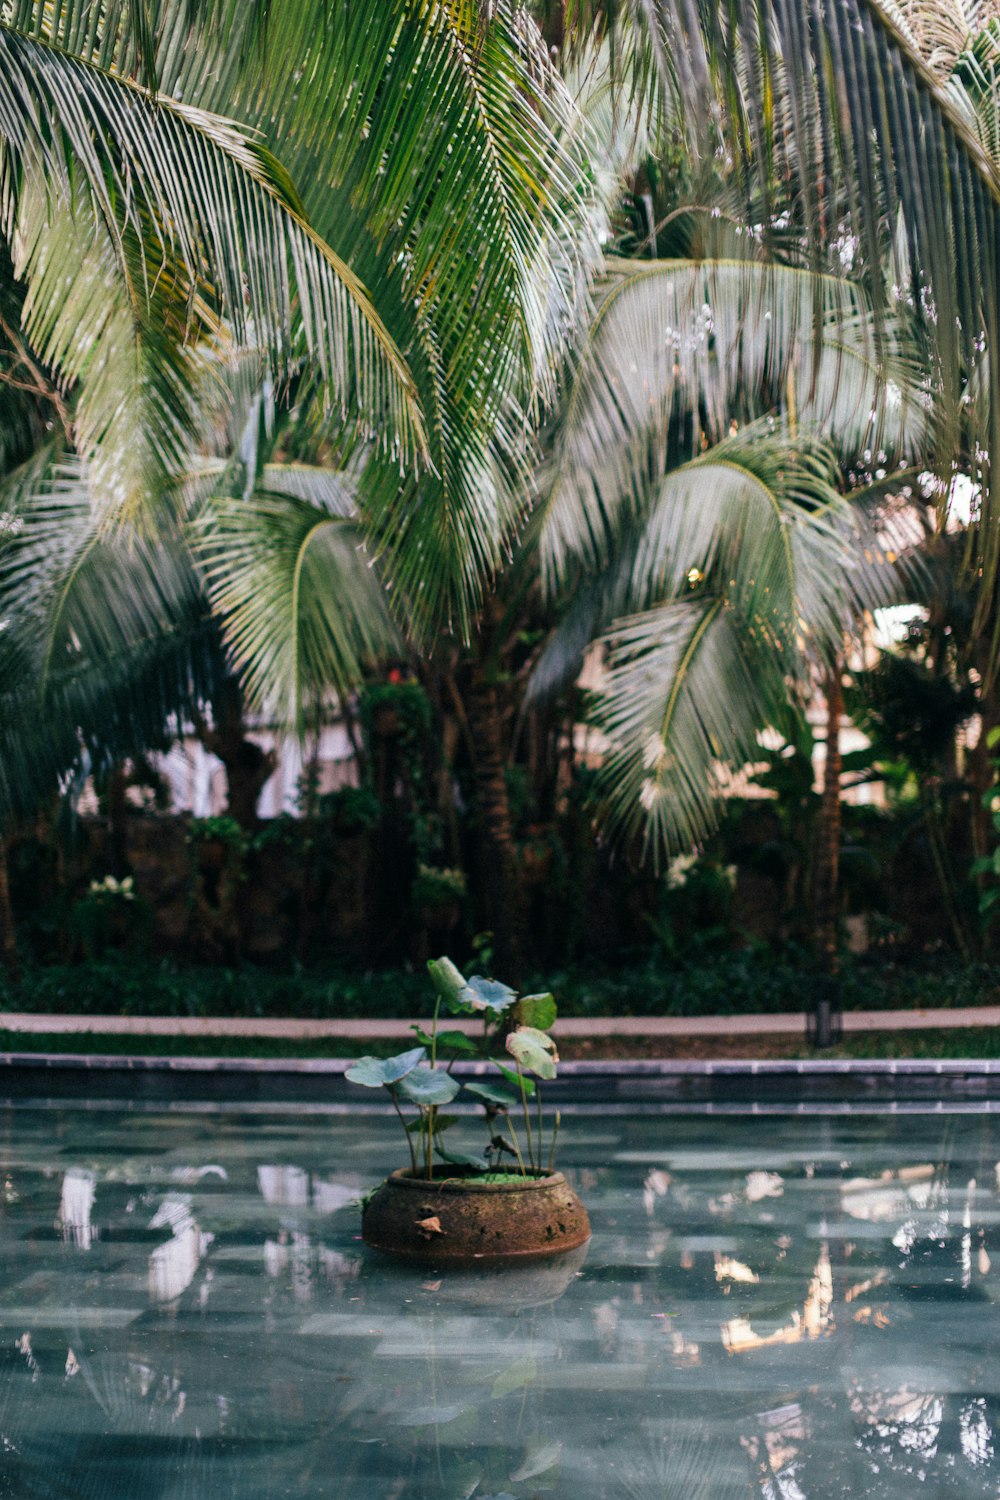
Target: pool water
point(771, 1306)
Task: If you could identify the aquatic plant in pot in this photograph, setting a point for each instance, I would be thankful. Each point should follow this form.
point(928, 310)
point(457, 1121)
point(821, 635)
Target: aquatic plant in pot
point(507, 1202)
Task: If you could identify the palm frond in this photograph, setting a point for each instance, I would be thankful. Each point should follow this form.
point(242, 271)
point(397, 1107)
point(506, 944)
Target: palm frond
point(445, 160)
point(300, 604)
point(835, 102)
point(105, 646)
point(974, 84)
point(77, 595)
point(683, 695)
point(178, 191)
point(748, 570)
point(142, 389)
point(695, 347)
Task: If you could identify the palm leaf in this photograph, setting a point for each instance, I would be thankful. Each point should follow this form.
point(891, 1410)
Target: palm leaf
point(301, 608)
point(836, 101)
point(442, 157)
point(749, 568)
point(179, 191)
point(106, 646)
point(682, 696)
point(60, 573)
point(703, 345)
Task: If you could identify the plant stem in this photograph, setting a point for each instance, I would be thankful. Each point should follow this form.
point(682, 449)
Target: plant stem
point(409, 1137)
point(538, 1101)
point(555, 1137)
point(434, 1031)
point(517, 1149)
point(430, 1141)
point(527, 1116)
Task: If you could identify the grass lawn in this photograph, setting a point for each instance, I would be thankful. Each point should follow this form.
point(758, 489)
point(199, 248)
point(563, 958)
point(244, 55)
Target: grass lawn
point(971, 1042)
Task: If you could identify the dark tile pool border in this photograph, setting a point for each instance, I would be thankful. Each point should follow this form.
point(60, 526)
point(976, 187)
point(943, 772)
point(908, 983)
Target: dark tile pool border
point(782, 1085)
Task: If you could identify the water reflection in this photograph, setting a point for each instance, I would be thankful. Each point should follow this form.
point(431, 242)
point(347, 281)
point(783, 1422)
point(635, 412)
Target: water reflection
point(795, 1312)
point(172, 1265)
point(75, 1204)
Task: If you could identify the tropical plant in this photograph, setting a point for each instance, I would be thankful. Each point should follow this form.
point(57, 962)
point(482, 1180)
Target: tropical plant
point(113, 681)
point(844, 143)
point(133, 346)
point(439, 167)
point(414, 1077)
point(150, 240)
point(694, 517)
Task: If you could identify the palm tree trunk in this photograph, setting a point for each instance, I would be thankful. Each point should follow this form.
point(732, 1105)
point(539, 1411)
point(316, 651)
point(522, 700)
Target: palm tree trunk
point(499, 885)
point(827, 868)
point(8, 937)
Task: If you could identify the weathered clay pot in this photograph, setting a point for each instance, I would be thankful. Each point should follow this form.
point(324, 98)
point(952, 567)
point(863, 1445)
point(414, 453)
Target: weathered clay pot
point(463, 1221)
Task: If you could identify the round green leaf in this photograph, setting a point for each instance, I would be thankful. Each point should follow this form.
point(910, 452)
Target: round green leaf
point(461, 1158)
point(383, 1072)
point(537, 1010)
point(441, 1122)
point(487, 995)
point(534, 1051)
point(429, 1086)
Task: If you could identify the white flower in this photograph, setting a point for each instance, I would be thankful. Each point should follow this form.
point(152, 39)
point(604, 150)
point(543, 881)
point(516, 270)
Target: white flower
point(678, 870)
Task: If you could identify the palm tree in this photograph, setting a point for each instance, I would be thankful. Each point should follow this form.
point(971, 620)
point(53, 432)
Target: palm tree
point(439, 160)
point(440, 173)
point(694, 515)
point(162, 257)
point(113, 641)
point(840, 137)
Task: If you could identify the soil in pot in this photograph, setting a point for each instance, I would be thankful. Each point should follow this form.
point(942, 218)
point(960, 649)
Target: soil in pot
point(468, 1219)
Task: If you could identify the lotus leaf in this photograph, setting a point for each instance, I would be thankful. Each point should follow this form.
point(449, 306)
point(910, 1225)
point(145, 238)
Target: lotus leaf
point(441, 1122)
point(516, 1081)
point(429, 1086)
point(447, 981)
point(539, 1011)
point(534, 1050)
point(487, 995)
point(493, 1093)
point(462, 1158)
point(537, 1462)
point(384, 1072)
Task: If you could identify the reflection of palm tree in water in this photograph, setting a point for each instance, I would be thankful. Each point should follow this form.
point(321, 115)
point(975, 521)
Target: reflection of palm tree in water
point(682, 1461)
point(461, 1382)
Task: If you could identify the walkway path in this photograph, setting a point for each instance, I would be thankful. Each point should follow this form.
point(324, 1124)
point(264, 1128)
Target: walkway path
point(791, 1024)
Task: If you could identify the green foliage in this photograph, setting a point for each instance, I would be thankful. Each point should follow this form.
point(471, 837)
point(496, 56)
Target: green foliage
point(219, 828)
point(909, 712)
point(536, 1010)
point(353, 809)
point(435, 886)
point(395, 708)
point(696, 906)
point(988, 867)
point(384, 1072)
point(447, 981)
point(486, 996)
point(108, 915)
point(429, 1087)
point(533, 1051)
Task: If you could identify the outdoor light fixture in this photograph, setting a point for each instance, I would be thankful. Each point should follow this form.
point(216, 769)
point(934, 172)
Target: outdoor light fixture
point(825, 1021)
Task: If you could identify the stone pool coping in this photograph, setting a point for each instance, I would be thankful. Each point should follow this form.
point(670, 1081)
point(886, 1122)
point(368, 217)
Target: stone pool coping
point(784, 1084)
point(791, 1023)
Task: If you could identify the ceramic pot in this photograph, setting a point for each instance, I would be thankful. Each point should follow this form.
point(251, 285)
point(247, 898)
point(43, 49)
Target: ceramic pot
point(464, 1221)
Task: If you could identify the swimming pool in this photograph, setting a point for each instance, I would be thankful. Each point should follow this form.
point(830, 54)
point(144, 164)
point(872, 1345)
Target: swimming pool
point(771, 1305)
